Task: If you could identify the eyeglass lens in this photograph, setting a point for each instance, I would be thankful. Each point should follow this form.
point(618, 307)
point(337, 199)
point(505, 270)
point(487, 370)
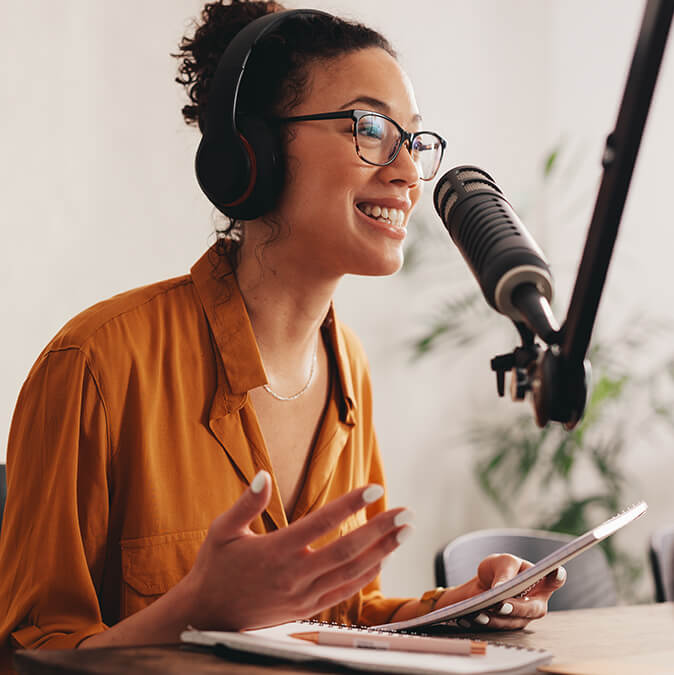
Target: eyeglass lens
point(378, 140)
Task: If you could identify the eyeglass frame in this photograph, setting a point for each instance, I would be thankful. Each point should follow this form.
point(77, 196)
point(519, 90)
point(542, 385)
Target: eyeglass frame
point(355, 115)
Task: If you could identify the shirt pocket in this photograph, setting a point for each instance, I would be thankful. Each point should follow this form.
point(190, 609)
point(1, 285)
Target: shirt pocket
point(151, 566)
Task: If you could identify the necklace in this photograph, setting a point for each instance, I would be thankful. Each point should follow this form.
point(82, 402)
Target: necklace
point(306, 386)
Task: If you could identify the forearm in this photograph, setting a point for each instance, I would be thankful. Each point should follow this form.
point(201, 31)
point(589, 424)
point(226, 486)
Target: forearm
point(415, 607)
point(160, 623)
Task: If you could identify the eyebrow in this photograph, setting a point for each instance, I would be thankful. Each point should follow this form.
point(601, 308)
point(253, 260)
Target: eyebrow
point(376, 103)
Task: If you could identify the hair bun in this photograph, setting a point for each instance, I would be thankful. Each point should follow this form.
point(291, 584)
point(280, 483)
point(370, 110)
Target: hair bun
point(200, 54)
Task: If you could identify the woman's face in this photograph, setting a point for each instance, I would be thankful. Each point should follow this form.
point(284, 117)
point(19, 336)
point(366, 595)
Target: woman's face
point(329, 185)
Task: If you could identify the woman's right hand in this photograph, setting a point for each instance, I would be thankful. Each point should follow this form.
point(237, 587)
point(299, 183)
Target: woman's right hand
point(245, 580)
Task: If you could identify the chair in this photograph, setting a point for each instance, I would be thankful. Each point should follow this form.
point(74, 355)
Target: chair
point(662, 563)
point(590, 582)
point(3, 490)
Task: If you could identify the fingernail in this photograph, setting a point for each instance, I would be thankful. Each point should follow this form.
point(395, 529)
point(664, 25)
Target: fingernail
point(373, 493)
point(259, 482)
point(404, 534)
point(561, 574)
point(506, 609)
point(403, 518)
point(499, 582)
point(464, 623)
point(482, 619)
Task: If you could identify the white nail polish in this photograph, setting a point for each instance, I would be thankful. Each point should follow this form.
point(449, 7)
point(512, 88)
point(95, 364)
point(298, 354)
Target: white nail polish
point(561, 574)
point(373, 493)
point(403, 518)
point(404, 534)
point(482, 619)
point(506, 609)
point(259, 482)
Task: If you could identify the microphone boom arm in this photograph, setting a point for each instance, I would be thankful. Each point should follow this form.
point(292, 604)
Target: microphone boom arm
point(619, 158)
point(559, 376)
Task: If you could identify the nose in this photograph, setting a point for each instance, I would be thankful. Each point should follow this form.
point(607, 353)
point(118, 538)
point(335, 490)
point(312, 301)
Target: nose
point(402, 169)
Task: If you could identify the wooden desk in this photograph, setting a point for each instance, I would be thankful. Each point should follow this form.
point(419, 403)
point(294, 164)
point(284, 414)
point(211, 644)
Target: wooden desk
point(614, 632)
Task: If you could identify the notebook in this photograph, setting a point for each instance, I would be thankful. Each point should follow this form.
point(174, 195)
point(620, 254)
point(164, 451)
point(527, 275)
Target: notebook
point(276, 642)
point(524, 581)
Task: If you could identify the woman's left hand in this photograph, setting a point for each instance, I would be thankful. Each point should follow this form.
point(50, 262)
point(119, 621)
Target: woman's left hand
point(510, 614)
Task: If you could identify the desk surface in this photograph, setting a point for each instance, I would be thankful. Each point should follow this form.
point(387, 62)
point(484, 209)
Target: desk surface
point(577, 635)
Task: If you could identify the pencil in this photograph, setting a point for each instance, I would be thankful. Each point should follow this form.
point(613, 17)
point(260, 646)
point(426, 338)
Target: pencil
point(402, 642)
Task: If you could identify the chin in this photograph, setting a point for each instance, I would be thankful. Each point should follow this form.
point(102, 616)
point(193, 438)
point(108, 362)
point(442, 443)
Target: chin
point(382, 266)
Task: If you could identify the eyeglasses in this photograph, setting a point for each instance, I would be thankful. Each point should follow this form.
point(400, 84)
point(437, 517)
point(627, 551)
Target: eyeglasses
point(378, 139)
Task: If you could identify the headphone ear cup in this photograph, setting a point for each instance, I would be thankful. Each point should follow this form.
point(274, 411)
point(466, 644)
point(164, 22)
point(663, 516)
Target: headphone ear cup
point(263, 145)
point(222, 169)
point(242, 177)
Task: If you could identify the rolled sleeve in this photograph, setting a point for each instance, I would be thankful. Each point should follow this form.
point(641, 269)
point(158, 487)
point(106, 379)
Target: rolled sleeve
point(32, 637)
point(54, 533)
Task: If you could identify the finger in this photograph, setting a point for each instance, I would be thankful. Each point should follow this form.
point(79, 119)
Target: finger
point(529, 607)
point(510, 569)
point(324, 520)
point(500, 567)
point(345, 591)
point(235, 521)
point(355, 543)
point(489, 622)
point(546, 586)
point(555, 580)
point(513, 614)
point(354, 569)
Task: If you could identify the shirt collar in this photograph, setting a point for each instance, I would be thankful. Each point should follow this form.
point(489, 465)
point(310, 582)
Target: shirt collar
point(336, 339)
point(226, 313)
point(227, 316)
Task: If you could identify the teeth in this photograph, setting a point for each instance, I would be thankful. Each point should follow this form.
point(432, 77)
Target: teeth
point(393, 216)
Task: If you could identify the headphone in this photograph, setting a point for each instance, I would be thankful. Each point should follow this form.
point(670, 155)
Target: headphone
point(239, 162)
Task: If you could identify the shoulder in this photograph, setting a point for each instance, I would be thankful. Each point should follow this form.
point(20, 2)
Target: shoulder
point(126, 312)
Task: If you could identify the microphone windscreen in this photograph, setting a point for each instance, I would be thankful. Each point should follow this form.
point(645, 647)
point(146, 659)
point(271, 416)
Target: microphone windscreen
point(497, 247)
point(467, 179)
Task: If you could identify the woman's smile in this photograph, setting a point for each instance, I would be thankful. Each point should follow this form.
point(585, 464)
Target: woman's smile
point(385, 217)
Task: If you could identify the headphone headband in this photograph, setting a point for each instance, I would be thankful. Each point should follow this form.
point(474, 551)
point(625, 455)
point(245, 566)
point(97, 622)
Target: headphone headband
point(229, 164)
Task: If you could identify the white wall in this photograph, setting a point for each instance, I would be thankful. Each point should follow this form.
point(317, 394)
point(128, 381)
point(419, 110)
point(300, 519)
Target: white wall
point(99, 196)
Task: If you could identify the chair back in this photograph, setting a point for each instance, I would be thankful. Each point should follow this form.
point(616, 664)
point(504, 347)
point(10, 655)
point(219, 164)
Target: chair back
point(589, 583)
point(662, 563)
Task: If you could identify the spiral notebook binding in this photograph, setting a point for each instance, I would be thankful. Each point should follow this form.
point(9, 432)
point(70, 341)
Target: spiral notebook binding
point(352, 627)
point(370, 629)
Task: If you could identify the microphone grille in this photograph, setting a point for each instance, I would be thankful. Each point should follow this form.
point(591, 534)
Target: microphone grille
point(457, 183)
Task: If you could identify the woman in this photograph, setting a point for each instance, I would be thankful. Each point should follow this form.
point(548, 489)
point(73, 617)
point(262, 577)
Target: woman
point(201, 451)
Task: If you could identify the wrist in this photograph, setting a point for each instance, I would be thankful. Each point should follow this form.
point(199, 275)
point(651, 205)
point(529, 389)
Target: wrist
point(162, 622)
point(187, 602)
point(430, 599)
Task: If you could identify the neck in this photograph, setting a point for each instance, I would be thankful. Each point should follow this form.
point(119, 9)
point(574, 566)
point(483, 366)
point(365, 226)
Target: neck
point(287, 302)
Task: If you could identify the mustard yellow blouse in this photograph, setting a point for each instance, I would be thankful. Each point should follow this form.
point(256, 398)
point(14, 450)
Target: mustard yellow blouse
point(132, 432)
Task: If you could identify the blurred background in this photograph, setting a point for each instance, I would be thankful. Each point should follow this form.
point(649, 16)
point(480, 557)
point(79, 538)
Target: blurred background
point(99, 196)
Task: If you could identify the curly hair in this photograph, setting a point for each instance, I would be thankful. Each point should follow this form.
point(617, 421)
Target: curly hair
point(277, 73)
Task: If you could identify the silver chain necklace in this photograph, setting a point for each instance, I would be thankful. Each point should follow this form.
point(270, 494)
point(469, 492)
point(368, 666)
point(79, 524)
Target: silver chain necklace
point(306, 386)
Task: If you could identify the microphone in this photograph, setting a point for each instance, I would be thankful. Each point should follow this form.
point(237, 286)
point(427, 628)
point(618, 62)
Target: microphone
point(511, 269)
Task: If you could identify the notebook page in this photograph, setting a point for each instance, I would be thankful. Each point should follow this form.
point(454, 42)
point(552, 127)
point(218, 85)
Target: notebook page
point(276, 642)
